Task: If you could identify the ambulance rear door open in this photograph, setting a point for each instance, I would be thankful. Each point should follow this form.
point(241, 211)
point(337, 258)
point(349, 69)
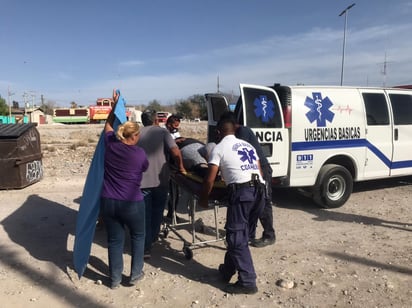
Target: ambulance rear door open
point(216, 105)
point(262, 112)
point(263, 115)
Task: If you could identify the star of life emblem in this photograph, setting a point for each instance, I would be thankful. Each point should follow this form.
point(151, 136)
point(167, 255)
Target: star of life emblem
point(319, 109)
point(247, 155)
point(264, 108)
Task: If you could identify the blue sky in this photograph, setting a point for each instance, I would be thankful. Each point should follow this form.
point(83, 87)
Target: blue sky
point(80, 50)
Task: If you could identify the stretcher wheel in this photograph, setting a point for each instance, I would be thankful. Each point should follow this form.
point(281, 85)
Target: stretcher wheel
point(188, 252)
point(165, 232)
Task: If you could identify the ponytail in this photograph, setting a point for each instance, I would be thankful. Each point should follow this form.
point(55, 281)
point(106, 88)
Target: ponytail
point(127, 129)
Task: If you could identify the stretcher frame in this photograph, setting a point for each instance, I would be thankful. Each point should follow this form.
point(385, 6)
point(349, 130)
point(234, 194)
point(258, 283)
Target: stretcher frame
point(175, 226)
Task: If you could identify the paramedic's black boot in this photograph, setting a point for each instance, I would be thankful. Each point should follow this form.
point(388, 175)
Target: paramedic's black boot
point(147, 255)
point(237, 288)
point(262, 242)
point(226, 277)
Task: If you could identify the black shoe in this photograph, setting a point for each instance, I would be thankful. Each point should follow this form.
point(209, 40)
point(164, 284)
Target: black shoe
point(237, 288)
point(262, 242)
point(134, 280)
point(226, 277)
point(147, 254)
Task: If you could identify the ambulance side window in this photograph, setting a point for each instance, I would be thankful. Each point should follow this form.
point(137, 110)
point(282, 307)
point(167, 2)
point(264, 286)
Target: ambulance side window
point(262, 109)
point(402, 108)
point(376, 109)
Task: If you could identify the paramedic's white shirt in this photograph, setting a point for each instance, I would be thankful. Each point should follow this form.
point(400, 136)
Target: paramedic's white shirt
point(237, 160)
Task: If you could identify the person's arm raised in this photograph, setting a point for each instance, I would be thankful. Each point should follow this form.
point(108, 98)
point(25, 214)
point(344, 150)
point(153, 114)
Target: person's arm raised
point(110, 119)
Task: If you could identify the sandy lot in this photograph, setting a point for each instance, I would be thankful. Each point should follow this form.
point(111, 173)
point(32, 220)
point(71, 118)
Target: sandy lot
point(359, 255)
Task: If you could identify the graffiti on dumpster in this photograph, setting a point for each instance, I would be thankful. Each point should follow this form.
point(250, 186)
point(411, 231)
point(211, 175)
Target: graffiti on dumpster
point(34, 171)
point(29, 140)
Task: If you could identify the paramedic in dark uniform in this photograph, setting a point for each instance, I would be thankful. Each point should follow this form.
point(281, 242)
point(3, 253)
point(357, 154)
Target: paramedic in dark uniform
point(240, 169)
point(266, 218)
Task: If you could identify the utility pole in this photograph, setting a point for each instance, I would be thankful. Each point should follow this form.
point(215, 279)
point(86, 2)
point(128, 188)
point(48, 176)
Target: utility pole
point(345, 11)
point(218, 84)
point(25, 103)
point(32, 95)
point(384, 70)
point(9, 95)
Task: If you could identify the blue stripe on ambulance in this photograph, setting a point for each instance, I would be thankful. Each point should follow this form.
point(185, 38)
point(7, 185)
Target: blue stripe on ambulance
point(356, 143)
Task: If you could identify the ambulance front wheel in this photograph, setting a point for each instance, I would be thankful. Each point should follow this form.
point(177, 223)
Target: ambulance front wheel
point(333, 186)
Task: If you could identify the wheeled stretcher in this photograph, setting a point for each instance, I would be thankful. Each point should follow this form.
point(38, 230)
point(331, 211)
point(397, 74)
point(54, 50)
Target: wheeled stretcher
point(192, 185)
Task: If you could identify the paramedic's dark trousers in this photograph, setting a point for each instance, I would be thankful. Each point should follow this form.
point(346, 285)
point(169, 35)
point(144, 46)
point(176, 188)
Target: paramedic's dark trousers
point(266, 217)
point(245, 206)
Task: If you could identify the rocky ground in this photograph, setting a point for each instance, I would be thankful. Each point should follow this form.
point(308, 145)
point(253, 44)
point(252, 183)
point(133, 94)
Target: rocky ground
point(359, 255)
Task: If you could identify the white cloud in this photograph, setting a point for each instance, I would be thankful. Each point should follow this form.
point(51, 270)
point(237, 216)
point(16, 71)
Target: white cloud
point(64, 76)
point(131, 63)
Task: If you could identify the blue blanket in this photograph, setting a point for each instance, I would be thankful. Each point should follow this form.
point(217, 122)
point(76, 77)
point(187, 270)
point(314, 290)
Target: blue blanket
point(90, 201)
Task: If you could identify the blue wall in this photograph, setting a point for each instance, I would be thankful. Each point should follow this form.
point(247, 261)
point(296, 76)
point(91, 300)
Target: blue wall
point(12, 120)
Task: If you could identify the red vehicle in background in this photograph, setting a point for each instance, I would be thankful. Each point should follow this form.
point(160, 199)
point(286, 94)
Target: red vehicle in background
point(100, 111)
point(162, 116)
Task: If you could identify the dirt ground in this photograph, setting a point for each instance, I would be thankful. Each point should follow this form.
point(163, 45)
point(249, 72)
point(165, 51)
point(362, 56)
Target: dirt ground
point(359, 255)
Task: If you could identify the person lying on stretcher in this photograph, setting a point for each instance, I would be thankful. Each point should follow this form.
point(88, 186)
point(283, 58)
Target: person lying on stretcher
point(194, 152)
point(195, 155)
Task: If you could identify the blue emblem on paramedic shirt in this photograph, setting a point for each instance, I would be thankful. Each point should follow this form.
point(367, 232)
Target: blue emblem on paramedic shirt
point(247, 155)
point(319, 109)
point(264, 108)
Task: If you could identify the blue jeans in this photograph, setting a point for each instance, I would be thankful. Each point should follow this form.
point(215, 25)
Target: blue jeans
point(116, 215)
point(155, 199)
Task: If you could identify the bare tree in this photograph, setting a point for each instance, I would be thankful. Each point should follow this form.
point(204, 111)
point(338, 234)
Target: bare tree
point(48, 107)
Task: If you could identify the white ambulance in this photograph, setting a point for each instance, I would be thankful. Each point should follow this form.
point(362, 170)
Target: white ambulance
point(324, 138)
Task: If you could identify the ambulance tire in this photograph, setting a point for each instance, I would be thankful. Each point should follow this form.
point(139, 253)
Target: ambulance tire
point(333, 186)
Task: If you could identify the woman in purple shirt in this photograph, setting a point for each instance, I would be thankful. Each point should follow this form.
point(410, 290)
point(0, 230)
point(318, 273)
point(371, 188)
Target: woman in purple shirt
point(122, 202)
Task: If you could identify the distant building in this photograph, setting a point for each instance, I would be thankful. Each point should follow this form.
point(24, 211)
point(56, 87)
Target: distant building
point(36, 115)
point(24, 115)
point(134, 115)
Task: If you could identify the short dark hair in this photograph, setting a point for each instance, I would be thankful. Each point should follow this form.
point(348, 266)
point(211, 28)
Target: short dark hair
point(148, 117)
point(228, 115)
point(173, 118)
point(226, 125)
